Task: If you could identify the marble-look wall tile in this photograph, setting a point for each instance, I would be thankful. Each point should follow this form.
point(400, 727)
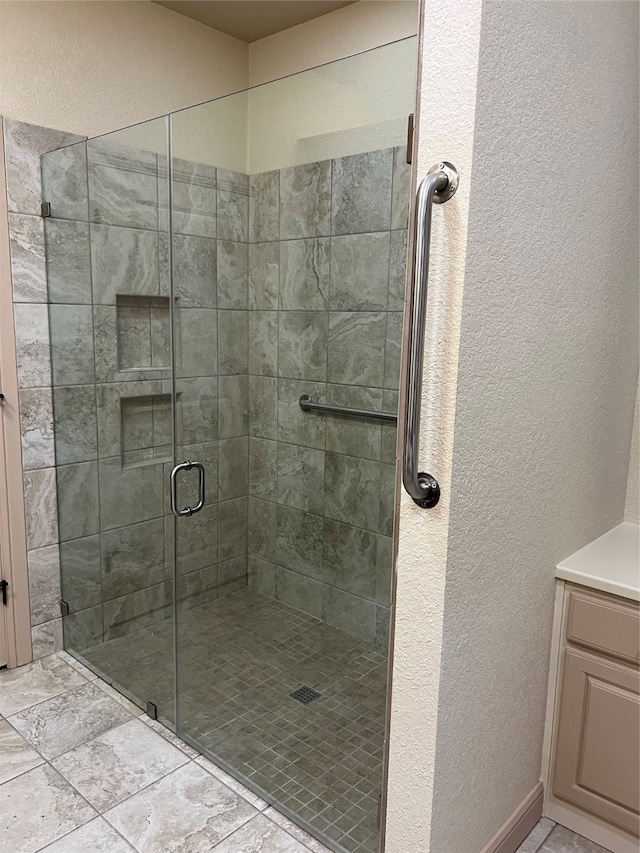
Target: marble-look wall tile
point(263, 276)
point(305, 200)
point(81, 575)
point(72, 358)
point(294, 425)
point(232, 528)
point(349, 558)
point(195, 588)
point(76, 437)
point(68, 261)
point(233, 275)
point(44, 584)
point(354, 436)
point(264, 191)
point(28, 266)
point(124, 261)
point(352, 488)
point(78, 503)
point(401, 189)
point(299, 541)
point(262, 529)
point(36, 426)
point(397, 270)
point(197, 350)
point(263, 462)
point(197, 540)
point(389, 441)
point(301, 477)
point(299, 591)
point(359, 272)
point(350, 613)
point(393, 350)
point(263, 406)
point(232, 575)
point(304, 274)
point(361, 194)
point(263, 343)
point(387, 498)
point(193, 198)
point(83, 629)
point(133, 612)
point(233, 206)
point(261, 576)
point(233, 331)
point(24, 143)
point(381, 636)
point(40, 507)
point(32, 345)
point(302, 345)
point(132, 558)
point(123, 185)
point(233, 462)
point(46, 639)
point(233, 406)
point(197, 410)
point(65, 182)
point(128, 496)
point(356, 344)
point(384, 570)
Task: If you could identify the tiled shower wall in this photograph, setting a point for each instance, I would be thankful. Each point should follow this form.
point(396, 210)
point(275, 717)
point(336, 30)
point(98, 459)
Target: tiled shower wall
point(23, 145)
point(305, 263)
point(327, 247)
point(110, 348)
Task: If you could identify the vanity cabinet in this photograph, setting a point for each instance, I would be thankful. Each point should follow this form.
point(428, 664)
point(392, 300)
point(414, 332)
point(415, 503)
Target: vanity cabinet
point(593, 774)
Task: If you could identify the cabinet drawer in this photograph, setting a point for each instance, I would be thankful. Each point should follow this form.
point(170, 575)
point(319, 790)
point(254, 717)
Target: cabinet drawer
point(608, 625)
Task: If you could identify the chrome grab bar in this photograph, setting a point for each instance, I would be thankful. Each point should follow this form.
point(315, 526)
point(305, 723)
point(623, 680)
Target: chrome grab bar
point(437, 187)
point(173, 490)
point(308, 405)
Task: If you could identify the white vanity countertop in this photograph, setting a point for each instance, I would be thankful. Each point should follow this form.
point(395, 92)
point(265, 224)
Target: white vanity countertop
point(610, 563)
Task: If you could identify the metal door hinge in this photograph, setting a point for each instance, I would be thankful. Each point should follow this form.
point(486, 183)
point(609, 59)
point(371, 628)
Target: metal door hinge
point(64, 608)
point(410, 135)
point(4, 588)
point(45, 209)
point(152, 710)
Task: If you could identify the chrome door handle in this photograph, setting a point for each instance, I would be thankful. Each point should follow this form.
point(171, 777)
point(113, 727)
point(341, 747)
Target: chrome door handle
point(173, 489)
point(437, 187)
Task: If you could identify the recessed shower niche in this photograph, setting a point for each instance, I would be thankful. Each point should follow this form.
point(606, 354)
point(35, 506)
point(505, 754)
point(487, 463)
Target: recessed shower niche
point(143, 332)
point(145, 430)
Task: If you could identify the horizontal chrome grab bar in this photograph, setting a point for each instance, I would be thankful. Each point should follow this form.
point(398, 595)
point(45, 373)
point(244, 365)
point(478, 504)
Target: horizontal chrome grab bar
point(437, 187)
point(307, 405)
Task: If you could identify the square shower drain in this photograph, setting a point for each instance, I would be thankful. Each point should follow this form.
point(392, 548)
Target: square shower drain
point(305, 694)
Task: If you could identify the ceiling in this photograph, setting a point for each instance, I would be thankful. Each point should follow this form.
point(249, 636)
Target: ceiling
point(250, 20)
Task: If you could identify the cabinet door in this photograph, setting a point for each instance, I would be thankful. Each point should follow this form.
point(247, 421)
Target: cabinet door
point(598, 738)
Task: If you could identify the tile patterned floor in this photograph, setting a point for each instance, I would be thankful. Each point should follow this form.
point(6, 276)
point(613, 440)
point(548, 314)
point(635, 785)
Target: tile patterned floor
point(82, 770)
point(549, 837)
point(240, 658)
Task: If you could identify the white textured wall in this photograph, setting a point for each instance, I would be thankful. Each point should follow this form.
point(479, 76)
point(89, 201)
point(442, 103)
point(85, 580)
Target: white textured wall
point(447, 116)
point(342, 108)
point(546, 385)
point(344, 32)
point(632, 503)
point(92, 66)
point(347, 107)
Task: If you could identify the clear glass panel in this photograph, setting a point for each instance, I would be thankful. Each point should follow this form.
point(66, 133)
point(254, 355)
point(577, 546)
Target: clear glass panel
point(289, 212)
point(108, 278)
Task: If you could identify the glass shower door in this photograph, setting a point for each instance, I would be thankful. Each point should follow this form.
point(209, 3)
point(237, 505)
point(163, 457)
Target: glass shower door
point(108, 279)
point(288, 258)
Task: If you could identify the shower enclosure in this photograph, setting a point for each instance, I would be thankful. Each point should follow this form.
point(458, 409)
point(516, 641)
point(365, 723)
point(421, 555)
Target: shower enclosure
point(226, 552)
